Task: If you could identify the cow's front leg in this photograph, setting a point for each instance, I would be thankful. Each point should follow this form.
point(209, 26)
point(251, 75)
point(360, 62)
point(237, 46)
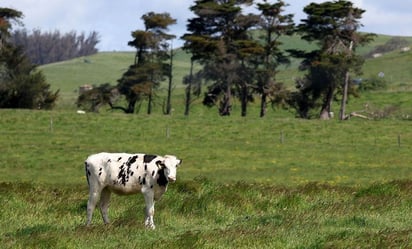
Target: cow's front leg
point(149, 199)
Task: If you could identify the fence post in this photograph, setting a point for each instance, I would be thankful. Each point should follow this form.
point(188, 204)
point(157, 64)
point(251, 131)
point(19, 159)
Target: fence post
point(51, 123)
point(167, 132)
point(281, 137)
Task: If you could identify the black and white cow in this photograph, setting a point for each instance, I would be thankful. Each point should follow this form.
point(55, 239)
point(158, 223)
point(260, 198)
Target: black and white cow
point(126, 174)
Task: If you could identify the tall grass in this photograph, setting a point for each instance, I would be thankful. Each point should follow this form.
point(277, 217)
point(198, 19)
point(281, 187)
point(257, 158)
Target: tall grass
point(200, 213)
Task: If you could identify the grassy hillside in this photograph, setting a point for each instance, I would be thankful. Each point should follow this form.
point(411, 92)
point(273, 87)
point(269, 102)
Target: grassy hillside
point(108, 67)
point(105, 67)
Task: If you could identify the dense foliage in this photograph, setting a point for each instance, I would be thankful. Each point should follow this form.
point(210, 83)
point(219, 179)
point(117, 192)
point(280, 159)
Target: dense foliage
point(48, 47)
point(150, 67)
point(21, 85)
point(235, 63)
point(333, 26)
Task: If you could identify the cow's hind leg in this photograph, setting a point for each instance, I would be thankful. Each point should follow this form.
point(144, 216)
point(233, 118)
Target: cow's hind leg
point(149, 199)
point(91, 204)
point(104, 204)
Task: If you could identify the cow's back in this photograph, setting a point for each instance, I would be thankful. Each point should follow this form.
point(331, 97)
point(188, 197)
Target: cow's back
point(122, 173)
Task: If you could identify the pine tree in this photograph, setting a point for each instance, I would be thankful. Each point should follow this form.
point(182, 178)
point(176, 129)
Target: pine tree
point(333, 26)
point(21, 85)
point(274, 25)
point(216, 36)
point(149, 69)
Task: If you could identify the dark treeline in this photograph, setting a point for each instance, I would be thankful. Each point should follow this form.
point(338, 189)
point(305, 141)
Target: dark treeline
point(21, 84)
point(47, 47)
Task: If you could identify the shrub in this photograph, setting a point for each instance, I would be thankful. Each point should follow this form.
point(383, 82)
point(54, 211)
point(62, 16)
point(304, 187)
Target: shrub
point(373, 83)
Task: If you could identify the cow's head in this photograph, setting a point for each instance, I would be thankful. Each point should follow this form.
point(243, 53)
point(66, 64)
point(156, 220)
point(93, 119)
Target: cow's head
point(170, 164)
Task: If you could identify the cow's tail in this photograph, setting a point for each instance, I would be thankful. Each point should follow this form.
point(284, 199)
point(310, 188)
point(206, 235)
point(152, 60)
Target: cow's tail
point(87, 172)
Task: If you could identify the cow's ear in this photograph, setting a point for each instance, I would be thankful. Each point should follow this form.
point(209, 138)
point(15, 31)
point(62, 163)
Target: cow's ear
point(160, 164)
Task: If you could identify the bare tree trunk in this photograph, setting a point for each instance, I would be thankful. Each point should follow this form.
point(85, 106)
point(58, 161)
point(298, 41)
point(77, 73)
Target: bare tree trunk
point(149, 105)
point(226, 106)
point(169, 89)
point(263, 105)
point(325, 111)
point(342, 111)
point(189, 90)
point(342, 115)
point(244, 100)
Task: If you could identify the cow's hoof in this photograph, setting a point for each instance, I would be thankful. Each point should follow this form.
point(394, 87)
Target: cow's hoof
point(150, 226)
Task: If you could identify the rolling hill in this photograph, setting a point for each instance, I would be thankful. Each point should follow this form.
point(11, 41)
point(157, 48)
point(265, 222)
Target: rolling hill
point(108, 67)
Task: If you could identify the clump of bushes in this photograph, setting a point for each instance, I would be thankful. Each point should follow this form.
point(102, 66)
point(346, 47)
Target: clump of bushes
point(373, 83)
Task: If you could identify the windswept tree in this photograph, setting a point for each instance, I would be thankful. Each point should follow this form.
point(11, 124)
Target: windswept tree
point(218, 39)
point(92, 100)
point(274, 24)
point(333, 26)
point(150, 66)
point(21, 85)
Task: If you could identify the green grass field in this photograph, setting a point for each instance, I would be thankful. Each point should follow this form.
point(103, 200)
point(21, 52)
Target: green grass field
point(273, 182)
point(244, 183)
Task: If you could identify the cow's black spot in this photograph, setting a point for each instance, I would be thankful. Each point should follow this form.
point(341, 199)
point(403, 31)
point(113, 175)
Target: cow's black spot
point(120, 158)
point(122, 177)
point(153, 172)
point(145, 167)
point(162, 179)
point(125, 171)
point(148, 158)
point(144, 181)
point(151, 186)
point(100, 169)
point(160, 164)
point(131, 160)
point(100, 173)
point(110, 160)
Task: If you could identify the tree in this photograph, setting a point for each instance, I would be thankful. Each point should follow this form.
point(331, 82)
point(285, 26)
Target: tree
point(274, 25)
point(333, 25)
point(21, 85)
point(149, 68)
point(93, 99)
point(216, 37)
point(169, 70)
point(48, 47)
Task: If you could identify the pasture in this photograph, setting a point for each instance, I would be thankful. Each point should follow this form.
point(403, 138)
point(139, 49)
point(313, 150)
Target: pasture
point(276, 182)
point(272, 182)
